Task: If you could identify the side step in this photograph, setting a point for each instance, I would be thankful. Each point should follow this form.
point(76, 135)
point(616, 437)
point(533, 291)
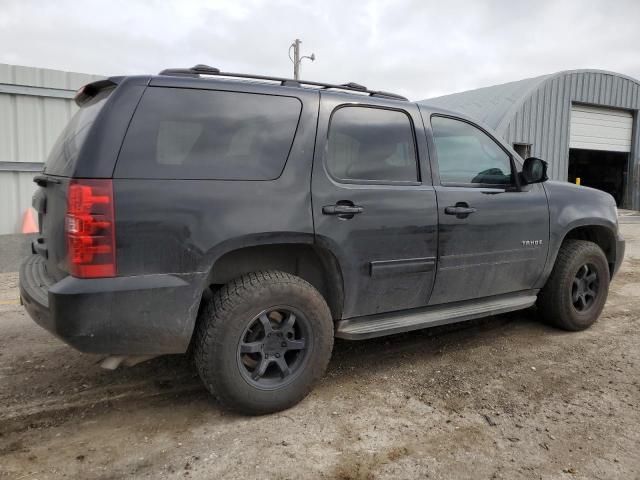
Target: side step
point(371, 326)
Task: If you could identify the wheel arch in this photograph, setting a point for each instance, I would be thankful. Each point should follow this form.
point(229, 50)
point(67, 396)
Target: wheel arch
point(595, 231)
point(315, 264)
point(601, 235)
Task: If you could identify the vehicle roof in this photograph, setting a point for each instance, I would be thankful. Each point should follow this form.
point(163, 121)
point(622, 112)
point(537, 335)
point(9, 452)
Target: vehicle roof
point(276, 87)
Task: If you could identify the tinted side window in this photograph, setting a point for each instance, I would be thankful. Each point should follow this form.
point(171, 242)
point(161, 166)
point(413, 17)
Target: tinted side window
point(205, 134)
point(468, 155)
point(371, 144)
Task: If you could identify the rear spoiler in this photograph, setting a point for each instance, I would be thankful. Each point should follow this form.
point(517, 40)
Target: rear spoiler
point(90, 90)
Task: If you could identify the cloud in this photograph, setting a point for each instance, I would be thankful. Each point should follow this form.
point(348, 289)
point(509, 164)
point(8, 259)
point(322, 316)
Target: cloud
point(417, 48)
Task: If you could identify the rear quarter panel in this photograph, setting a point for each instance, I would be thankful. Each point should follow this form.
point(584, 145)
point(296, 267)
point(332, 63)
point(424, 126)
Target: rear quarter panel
point(100, 150)
point(183, 226)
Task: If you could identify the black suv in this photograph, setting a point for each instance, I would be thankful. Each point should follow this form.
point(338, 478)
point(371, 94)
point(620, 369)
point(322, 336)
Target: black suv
point(251, 219)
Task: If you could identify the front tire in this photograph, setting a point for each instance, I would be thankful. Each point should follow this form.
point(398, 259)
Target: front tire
point(262, 342)
point(577, 289)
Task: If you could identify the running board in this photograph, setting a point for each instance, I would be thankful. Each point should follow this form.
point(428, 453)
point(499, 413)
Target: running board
point(371, 326)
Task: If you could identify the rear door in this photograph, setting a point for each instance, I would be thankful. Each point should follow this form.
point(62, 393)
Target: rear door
point(493, 235)
point(373, 203)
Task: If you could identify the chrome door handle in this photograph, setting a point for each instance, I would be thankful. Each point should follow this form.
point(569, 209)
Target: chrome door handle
point(341, 209)
point(459, 210)
point(344, 209)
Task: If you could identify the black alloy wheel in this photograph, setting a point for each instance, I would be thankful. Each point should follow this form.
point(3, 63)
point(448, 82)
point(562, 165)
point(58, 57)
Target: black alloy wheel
point(584, 290)
point(273, 348)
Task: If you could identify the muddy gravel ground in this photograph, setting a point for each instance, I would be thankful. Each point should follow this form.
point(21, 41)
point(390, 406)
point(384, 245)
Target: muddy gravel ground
point(505, 397)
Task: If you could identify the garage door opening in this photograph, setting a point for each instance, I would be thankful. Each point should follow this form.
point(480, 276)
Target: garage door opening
point(599, 169)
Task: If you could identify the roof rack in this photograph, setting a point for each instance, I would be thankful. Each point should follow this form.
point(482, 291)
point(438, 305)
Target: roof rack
point(200, 69)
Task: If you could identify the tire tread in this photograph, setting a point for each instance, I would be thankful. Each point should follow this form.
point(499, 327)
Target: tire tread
point(208, 341)
point(551, 304)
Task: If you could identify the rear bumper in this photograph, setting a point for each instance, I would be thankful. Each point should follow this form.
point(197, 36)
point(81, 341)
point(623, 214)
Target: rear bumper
point(139, 315)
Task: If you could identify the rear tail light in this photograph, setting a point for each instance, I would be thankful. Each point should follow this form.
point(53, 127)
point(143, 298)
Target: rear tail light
point(90, 229)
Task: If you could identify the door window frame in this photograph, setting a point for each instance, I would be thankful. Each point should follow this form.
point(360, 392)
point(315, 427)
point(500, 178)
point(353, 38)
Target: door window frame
point(349, 181)
point(514, 185)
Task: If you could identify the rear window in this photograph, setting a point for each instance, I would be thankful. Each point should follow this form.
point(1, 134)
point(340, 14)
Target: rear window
point(204, 134)
point(64, 154)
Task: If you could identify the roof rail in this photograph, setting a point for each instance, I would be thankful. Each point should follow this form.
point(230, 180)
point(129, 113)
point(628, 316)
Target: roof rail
point(200, 69)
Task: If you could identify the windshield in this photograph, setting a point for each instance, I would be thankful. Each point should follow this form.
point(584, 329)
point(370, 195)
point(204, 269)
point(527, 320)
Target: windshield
point(64, 154)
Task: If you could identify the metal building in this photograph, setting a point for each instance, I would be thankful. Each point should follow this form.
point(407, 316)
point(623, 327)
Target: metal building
point(35, 105)
point(583, 122)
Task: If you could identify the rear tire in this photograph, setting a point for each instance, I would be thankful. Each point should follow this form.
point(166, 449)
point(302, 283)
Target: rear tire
point(577, 289)
point(262, 342)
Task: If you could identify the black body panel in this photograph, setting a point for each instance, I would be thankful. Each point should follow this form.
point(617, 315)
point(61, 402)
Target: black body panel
point(100, 151)
point(50, 202)
point(483, 254)
point(573, 206)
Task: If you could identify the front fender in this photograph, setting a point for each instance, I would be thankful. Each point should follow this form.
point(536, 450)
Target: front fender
point(573, 206)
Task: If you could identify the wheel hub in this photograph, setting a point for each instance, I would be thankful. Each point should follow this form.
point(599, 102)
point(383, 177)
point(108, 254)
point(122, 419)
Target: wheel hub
point(275, 344)
point(273, 347)
point(585, 287)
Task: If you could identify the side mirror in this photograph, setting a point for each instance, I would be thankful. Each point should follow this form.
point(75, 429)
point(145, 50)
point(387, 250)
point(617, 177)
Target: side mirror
point(534, 170)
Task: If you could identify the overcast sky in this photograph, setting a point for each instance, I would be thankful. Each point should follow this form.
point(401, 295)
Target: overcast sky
point(419, 48)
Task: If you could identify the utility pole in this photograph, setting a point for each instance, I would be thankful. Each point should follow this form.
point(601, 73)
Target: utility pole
point(297, 59)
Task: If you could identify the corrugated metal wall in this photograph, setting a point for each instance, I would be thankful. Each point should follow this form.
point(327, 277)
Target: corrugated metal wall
point(35, 105)
point(544, 116)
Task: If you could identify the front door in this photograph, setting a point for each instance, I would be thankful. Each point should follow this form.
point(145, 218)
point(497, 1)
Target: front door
point(374, 206)
point(493, 236)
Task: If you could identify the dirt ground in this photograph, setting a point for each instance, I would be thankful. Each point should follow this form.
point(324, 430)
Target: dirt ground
point(505, 397)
